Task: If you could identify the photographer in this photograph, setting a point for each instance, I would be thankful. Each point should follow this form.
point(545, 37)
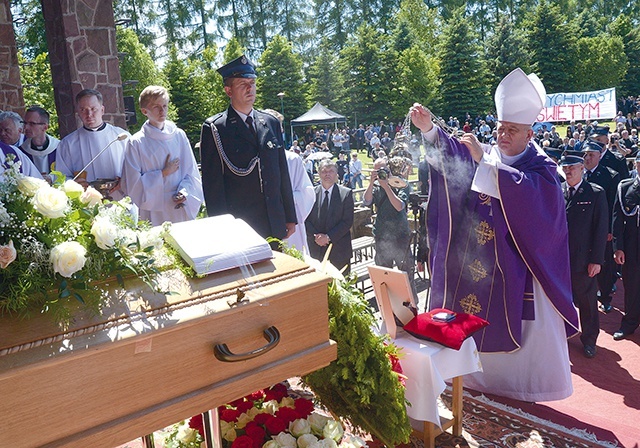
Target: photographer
point(391, 228)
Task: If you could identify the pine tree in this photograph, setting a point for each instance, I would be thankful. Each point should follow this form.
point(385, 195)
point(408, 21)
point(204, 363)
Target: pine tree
point(464, 78)
point(551, 42)
point(607, 65)
point(325, 83)
point(630, 35)
point(418, 81)
point(506, 50)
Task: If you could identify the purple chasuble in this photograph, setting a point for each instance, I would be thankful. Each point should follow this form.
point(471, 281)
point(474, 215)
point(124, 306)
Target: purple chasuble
point(485, 252)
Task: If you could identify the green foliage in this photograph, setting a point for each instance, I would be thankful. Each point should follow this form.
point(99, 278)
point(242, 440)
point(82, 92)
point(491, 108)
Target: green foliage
point(363, 64)
point(607, 65)
point(550, 40)
point(137, 64)
point(506, 50)
point(280, 70)
point(38, 89)
point(418, 81)
point(233, 50)
point(359, 385)
point(630, 36)
point(464, 77)
point(325, 83)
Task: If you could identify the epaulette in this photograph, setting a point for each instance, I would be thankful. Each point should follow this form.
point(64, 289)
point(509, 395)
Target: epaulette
point(213, 118)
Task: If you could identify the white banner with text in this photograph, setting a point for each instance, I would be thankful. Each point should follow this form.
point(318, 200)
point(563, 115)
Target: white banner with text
point(580, 106)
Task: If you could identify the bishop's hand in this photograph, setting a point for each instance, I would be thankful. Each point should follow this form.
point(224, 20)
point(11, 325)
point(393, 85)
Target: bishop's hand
point(473, 145)
point(421, 117)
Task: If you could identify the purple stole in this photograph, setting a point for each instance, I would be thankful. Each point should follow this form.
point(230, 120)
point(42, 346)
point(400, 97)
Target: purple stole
point(485, 252)
point(8, 149)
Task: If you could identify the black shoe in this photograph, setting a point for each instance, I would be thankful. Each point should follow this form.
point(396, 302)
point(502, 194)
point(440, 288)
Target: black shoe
point(619, 335)
point(606, 308)
point(589, 351)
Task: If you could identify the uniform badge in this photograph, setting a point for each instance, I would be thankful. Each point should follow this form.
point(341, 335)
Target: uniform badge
point(244, 60)
point(270, 144)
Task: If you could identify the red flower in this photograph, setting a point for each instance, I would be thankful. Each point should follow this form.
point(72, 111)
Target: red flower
point(244, 406)
point(250, 424)
point(242, 442)
point(304, 407)
point(257, 434)
point(276, 392)
point(196, 423)
point(229, 415)
point(260, 419)
point(287, 414)
point(274, 425)
point(397, 367)
point(257, 395)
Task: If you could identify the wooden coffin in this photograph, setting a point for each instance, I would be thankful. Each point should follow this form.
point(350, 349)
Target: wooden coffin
point(148, 361)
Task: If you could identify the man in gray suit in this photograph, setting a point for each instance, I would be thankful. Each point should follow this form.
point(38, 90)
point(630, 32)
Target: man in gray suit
point(331, 218)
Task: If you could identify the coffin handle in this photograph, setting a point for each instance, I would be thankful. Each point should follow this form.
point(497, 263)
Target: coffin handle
point(222, 352)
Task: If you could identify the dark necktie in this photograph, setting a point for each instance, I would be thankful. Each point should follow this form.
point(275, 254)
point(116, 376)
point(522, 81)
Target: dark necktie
point(252, 129)
point(572, 191)
point(587, 175)
point(324, 210)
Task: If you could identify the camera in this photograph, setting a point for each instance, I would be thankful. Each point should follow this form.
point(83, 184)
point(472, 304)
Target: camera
point(383, 173)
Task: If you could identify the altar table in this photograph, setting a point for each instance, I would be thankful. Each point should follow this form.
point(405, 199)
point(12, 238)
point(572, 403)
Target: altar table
point(151, 360)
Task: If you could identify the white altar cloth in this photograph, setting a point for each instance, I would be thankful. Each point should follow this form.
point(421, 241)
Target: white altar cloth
point(427, 365)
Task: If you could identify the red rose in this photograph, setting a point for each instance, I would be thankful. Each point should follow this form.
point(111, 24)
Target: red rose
point(242, 442)
point(397, 368)
point(250, 424)
point(244, 406)
point(196, 423)
point(236, 403)
point(274, 425)
point(304, 407)
point(229, 415)
point(287, 414)
point(260, 419)
point(257, 434)
point(276, 392)
point(257, 395)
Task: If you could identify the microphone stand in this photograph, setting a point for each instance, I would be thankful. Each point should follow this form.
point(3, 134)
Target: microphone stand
point(120, 137)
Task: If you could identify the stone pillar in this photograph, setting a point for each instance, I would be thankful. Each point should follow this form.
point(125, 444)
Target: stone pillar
point(10, 86)
point(81, 37)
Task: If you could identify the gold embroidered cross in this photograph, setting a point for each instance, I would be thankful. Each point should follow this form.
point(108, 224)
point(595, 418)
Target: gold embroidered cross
point(484, 233)
point(470, 304)
point(478, 272)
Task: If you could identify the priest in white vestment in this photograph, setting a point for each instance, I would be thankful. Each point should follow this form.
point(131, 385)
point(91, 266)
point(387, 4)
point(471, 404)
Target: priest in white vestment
point(77, 149)
point(160, 172)
point(303, 196)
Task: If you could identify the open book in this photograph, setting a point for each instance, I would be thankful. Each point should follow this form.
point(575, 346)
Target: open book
point(218, 243)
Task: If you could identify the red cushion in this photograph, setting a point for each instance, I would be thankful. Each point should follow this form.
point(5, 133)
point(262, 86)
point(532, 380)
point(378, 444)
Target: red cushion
point(450, 334)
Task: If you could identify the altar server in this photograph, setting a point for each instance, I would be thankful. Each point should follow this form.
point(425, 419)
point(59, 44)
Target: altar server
point(160, 172)
point(77, 149)
point(499, 246)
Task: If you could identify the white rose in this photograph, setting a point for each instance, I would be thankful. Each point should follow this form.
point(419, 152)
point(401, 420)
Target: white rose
point(270, 406)
point(253, 412)
point(29, 185)
point(243, 420)
point(7, 255)
point(333, 430)
point(72, 188)
point(352, 441)
point(229, 435)
point(287, 402)
point(187, 434)
point(152, 237)
point(299, 427)
point(306, 439)
point(68, 258)
point(50, 202)
point(327, 443)
point(105, 233)
point(271, 444)
point(285, 440)
point(91, 197)
point(317, 422)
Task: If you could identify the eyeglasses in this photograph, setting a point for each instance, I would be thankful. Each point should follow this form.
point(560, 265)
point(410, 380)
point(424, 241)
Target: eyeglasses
point(32, 123)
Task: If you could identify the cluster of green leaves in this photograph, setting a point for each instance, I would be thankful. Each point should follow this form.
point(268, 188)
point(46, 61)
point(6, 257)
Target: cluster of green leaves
point(360, 385)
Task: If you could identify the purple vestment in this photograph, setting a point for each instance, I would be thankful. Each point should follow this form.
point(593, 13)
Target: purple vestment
point(485, 252)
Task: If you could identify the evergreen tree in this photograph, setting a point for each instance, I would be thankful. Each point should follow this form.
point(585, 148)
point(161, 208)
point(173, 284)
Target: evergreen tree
point(233, 50)
point(143, 17)
point(29, 28)
point(506, 50)
point(330, 21)
point(551, 42)
point(280, 71)
point(136, 64)
point(362, 64)
point(464, 78)
point(420, 22)
point(325, 83)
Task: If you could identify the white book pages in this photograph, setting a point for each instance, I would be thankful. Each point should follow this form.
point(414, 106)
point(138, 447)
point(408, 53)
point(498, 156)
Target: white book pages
point(218, 243)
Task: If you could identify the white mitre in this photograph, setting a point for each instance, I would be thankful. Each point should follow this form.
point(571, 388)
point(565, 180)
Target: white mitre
point(520, 98)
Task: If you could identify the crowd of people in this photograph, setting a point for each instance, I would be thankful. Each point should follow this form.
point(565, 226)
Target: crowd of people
point(494, 195)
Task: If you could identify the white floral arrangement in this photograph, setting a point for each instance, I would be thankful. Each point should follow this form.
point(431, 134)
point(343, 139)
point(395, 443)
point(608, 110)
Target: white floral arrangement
point(57, 240)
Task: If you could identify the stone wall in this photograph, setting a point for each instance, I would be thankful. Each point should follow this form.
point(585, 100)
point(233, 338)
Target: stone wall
point(10, 86)
point(83, 55)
